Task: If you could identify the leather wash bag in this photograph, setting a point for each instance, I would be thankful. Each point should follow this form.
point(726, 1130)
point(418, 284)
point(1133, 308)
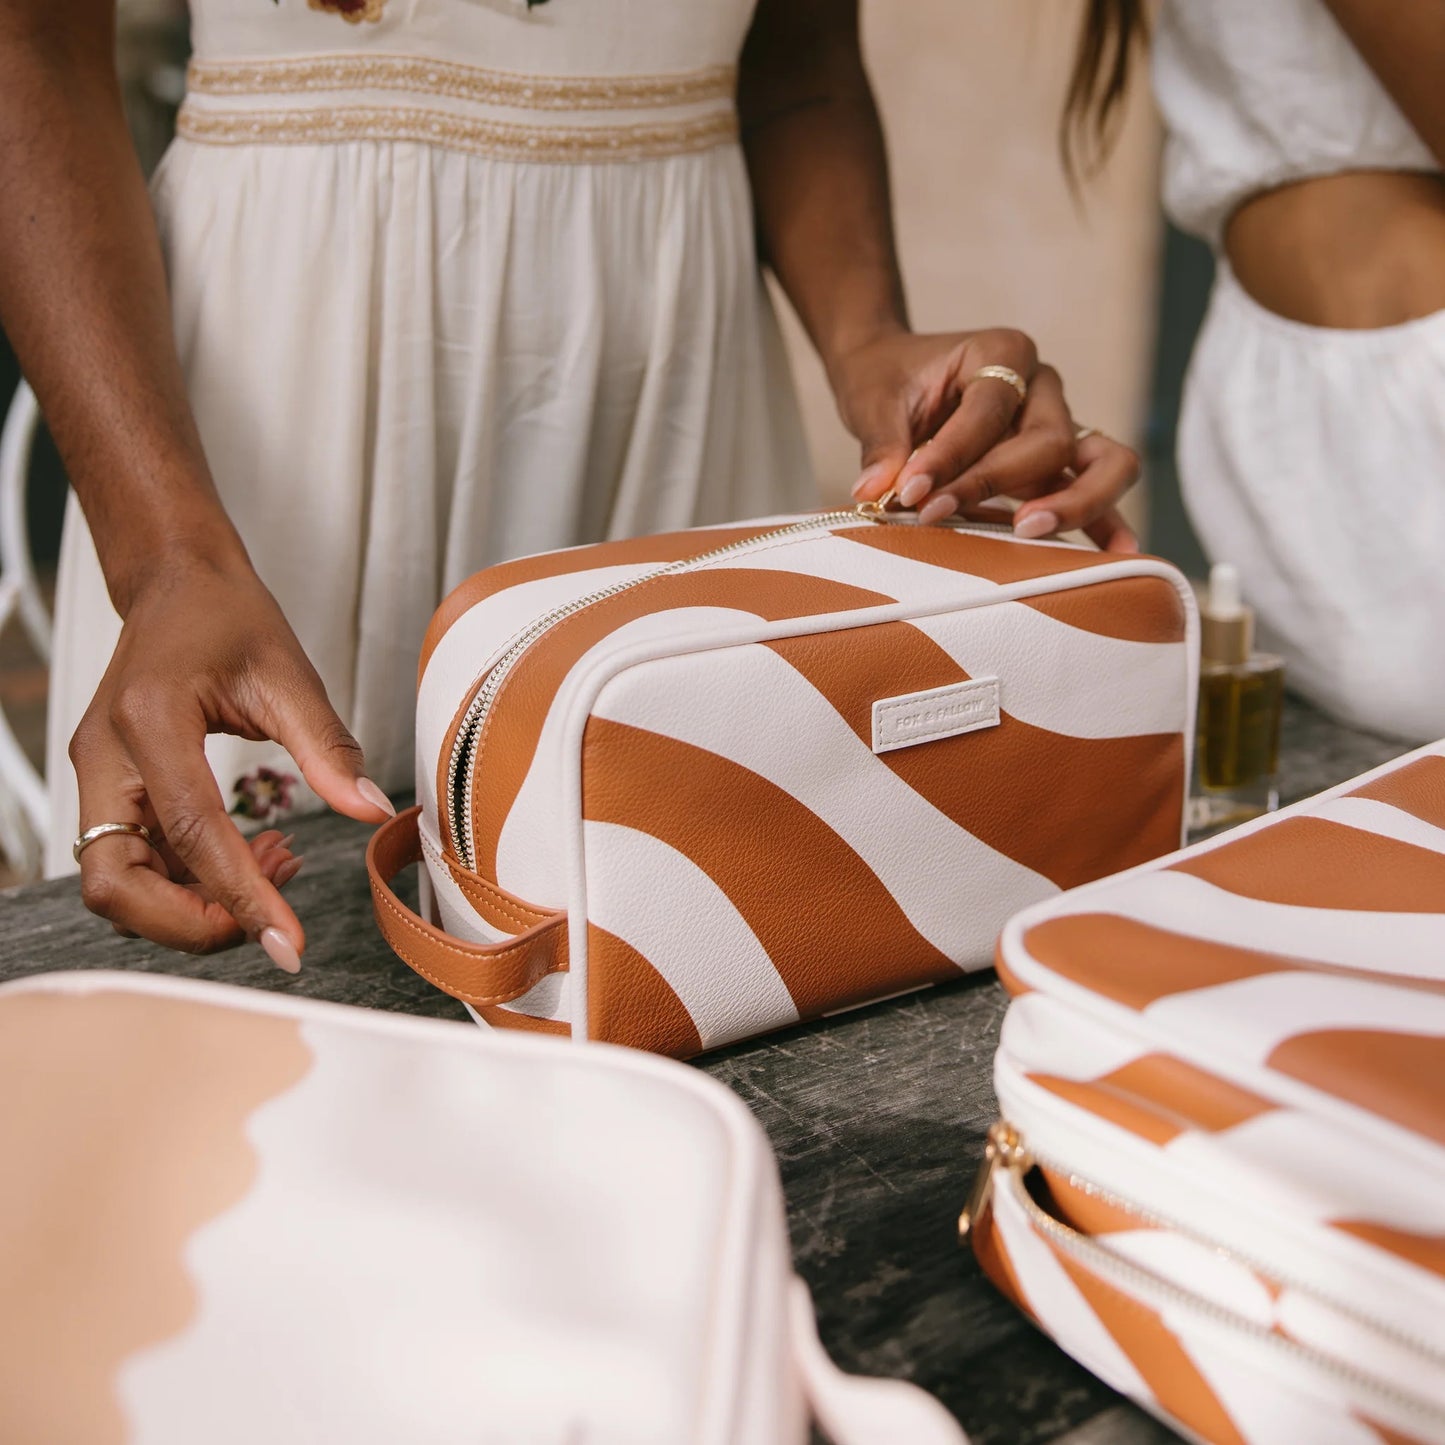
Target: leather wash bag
point(1220, 1183)
point(691, 788)
point(234, 1217)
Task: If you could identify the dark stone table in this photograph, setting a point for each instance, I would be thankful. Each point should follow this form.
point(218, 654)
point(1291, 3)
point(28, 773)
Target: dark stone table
point(878, 1118)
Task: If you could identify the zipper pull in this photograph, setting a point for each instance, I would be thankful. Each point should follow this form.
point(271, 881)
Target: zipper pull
point(877, 511)
point(1004, 1150)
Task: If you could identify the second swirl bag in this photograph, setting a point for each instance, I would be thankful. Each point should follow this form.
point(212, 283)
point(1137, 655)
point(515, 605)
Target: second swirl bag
point(686, 789)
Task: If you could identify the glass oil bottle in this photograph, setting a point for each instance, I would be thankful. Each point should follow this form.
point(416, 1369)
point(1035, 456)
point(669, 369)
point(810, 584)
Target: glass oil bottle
point(1241, 698)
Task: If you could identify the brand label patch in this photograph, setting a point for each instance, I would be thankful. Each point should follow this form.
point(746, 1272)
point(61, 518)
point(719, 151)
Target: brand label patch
point(939, 712)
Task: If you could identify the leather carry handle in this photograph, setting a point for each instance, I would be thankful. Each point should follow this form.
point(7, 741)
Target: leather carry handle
point(476, 973)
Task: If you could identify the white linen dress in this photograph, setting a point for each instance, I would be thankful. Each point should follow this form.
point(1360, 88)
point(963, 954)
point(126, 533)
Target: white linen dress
point(453, 281)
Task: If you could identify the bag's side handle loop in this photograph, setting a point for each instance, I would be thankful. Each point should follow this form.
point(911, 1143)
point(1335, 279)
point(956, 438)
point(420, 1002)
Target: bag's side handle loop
point(476, 973)
point(858, 1409)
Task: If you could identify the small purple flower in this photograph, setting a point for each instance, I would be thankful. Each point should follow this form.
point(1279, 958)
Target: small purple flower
point(263, 795)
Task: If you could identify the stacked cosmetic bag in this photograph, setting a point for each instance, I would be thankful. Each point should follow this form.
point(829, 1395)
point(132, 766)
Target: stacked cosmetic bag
point(1219, 1179)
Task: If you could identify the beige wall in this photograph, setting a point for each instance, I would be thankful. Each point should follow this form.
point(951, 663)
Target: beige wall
point(989, 234)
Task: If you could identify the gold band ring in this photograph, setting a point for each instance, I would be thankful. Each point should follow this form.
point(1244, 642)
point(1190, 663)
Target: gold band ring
point(1084, 432)
point(104, 830)
point(1001, 373)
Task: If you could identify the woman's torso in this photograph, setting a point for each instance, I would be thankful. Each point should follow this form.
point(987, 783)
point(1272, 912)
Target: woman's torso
point(1287, 154)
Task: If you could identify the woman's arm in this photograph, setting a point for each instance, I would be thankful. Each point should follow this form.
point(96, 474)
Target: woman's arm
point(203, 647)
point(820, 185)
point(1404, 44)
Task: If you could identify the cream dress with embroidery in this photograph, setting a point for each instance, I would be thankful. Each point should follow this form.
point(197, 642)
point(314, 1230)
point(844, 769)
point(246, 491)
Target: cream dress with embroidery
point(453, 281)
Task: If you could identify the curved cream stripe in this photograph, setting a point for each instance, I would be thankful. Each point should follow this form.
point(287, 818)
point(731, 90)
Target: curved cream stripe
point(1265, 1407)
point(1398, 943)
point(1250, 1017)
point(473, 643)
point(694, 937)
point(1372, 816)
point(1291, 1160)
point(1063, 1312)
point(1064, 679)
point(1306, 1319)
point(458, 916)
point(955, 889)
point(1199, 1268)
point(531, 848)
point(1041, 1034)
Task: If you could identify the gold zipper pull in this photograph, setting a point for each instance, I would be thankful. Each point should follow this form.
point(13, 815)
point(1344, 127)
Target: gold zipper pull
point(1004, 1150)
point(877, 511)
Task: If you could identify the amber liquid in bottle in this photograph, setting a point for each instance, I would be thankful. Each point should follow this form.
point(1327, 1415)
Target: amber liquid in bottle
point(1241, 701)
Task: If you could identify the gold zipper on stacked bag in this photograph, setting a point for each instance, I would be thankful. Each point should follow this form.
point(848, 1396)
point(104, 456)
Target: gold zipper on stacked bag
point(1006, 1154)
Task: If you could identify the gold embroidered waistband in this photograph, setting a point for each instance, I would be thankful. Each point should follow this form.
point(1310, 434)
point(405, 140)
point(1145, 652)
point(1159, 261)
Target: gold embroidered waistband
point(420, 76)
point(498, 139)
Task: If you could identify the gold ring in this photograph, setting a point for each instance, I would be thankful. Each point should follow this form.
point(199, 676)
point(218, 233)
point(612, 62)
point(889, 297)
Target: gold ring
point(1084, 432)
point(1001, 373)
point(104, 830)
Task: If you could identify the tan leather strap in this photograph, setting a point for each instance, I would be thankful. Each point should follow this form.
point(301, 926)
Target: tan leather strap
point(476, 973)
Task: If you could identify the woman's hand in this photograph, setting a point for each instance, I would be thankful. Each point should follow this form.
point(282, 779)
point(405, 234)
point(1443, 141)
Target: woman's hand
point(945, 439)
point(204, 649)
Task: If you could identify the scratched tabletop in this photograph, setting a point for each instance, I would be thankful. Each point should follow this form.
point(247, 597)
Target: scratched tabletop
point(877, 1117)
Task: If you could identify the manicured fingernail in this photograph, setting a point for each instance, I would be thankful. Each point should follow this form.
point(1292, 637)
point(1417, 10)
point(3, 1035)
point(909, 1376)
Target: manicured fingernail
point(915, 489)
point(375, 796)
point(280, 950)
point(1036, 524)
point(271, 860)
point(937, 509)
point(287, 871)
point(870, 479)
point(287, 841)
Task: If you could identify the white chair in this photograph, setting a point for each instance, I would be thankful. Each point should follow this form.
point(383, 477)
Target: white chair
point(24, 804)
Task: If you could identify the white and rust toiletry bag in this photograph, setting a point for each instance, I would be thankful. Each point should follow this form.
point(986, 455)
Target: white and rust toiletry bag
point(1219, 1181)
point(687, 789)
point(228, 1217)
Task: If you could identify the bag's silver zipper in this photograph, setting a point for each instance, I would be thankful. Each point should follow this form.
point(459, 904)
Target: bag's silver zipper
point(1006, 1153)
point(461, 765)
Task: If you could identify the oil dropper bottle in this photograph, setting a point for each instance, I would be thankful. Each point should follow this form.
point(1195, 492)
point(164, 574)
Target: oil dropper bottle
point(1241, 698)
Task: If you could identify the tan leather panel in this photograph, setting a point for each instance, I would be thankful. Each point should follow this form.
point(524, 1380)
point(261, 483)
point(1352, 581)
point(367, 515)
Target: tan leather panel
point(1138, 1116)
point(1168, 1371)
point(780, 865)
point(1425, 1250)
point(1072, 809)
point(629, 1001)
point(1199, 1099)
point(1314, 863)
point(995, 558)
point(662, 548)
point(476, 973)
point(1397, 1076)
point(509, 737)
point(124, 1131)
point(1132, 609)
point(1006, 976)
point(1418, 789)
point(988, 1249)
point(1135, 963)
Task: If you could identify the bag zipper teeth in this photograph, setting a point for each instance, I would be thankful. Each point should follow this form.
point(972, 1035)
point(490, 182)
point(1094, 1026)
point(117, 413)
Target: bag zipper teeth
point(481, 704)
point(1006, 1150)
